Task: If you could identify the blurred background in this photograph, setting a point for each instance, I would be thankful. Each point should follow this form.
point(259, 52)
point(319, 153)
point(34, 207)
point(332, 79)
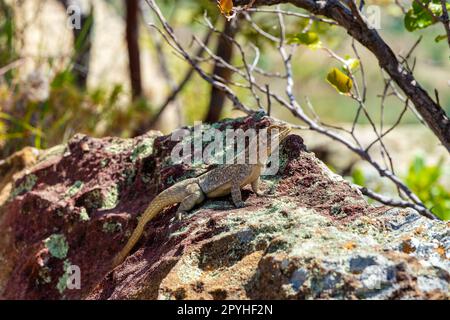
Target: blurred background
point(114, 75)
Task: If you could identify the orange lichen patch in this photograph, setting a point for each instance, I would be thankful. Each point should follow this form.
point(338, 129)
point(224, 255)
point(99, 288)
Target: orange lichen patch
point(441, 251)
point(349, 245)
point(407, 246)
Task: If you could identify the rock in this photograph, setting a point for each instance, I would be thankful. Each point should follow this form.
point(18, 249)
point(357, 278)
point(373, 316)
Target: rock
point(312, 236)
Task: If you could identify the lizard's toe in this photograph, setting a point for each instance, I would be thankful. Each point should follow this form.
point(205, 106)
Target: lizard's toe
point(180, 215)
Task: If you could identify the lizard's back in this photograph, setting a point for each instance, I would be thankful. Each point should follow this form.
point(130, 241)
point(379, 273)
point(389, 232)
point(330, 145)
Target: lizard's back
point(218, 182)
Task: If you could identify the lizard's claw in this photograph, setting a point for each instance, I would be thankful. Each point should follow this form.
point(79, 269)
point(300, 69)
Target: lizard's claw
point(180, 215)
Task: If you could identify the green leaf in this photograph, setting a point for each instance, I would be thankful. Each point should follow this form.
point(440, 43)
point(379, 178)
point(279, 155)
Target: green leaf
point(419, 17)
point(414, 21)
point(340, 81)
point(358, 177)
point(310, 39)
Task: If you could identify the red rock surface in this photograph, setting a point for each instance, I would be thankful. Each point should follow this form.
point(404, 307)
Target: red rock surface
point(92, 192)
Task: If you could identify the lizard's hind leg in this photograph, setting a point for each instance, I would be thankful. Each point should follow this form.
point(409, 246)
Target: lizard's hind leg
point(197, 196)
point(236, 195)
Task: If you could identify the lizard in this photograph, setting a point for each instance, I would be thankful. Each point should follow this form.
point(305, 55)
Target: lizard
point(218, 182)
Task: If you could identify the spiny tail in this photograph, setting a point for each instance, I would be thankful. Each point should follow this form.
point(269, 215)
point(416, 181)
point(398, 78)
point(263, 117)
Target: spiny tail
point(163, 200)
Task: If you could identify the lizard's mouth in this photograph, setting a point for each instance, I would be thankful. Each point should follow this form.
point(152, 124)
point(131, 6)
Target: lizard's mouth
point(276, 133)
point(283, 131)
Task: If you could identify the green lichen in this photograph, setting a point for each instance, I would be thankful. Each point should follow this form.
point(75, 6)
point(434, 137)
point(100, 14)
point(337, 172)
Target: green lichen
point(129, 174)
point(62, 281)
point(74, 189)
point(27, 184)
point(111, 198)
point(112, 227)
point(119, 147)
point(260, 227)
point(142, 150)
point(98, 199)
point(84, 216)
point(57, 245)
point(272, 183)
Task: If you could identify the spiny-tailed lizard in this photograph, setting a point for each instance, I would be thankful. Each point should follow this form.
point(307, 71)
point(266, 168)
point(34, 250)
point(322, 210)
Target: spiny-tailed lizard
point(218, 182)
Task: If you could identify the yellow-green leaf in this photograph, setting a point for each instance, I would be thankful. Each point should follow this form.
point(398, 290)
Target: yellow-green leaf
point(340, 81)
point(310, 39)
point(351, 64)
point(440, 38)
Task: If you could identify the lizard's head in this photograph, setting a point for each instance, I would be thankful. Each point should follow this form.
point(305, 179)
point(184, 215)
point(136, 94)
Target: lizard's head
point(279, 131)
point(276, 133)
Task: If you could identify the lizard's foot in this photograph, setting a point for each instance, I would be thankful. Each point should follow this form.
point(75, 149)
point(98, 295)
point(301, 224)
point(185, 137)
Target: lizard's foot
point(180, 215)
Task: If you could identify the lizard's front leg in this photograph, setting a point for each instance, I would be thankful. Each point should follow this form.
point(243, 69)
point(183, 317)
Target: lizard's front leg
point(236, 195)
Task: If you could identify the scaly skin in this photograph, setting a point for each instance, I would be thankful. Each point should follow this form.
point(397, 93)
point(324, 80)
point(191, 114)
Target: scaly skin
point(175, 194)
point(221, 181)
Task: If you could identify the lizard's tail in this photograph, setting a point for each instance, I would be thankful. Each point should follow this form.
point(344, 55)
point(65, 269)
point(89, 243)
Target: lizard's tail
point(163, 200)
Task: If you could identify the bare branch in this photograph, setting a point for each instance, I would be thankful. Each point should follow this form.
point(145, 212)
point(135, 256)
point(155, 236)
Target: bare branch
point(245, 71)
point(431, 112)
point(178, 88)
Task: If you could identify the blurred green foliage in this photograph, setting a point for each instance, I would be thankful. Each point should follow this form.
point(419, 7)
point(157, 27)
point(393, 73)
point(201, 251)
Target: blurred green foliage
point(420, 16)
point(7, 50)
point(424, 180)
point(66, 111)
point(65, 108)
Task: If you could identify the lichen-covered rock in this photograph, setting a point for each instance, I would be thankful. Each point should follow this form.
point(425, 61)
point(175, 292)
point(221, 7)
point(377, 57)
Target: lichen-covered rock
point(311, 236)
